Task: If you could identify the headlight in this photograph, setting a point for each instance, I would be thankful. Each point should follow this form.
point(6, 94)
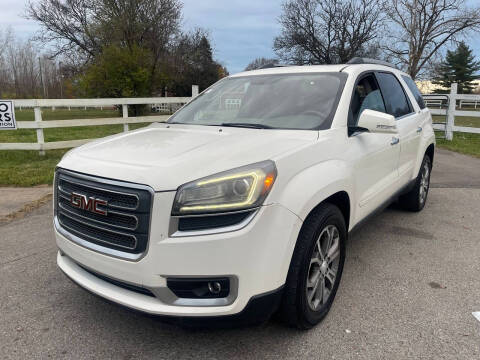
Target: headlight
point(237, 189)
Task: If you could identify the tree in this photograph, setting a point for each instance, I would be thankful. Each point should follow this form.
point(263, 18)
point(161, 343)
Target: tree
point(118, 72)
point(79, 30)
point(420, 28)
point(21, 63)
point(258, 63)
point(328, 31)
point(461, 65)
point(193, 63)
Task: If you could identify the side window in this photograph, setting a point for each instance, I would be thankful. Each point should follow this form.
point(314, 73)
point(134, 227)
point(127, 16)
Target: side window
point(367, 95)
point(414, 89)
point(395, 99)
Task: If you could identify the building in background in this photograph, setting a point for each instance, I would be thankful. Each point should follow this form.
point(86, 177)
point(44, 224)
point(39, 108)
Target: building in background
point(427, 87)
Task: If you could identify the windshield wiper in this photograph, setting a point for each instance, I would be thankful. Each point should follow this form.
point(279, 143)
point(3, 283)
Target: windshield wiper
point(247, 125)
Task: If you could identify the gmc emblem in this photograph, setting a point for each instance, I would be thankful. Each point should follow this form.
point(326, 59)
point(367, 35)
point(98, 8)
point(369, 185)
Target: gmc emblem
point(91, 204)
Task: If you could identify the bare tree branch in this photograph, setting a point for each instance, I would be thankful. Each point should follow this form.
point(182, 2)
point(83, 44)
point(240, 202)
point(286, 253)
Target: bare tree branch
point(328, 31)
point(421, 28)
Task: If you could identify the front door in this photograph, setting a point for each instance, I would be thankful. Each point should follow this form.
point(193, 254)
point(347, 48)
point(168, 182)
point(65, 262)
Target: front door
point(375, 156)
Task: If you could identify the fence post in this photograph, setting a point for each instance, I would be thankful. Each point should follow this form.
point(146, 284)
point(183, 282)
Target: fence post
point(125, 116)
point(451, 111)
point(195, 91)
point(38, 119)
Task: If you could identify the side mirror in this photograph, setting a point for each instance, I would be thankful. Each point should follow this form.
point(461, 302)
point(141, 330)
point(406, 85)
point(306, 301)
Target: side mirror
point(377, 122)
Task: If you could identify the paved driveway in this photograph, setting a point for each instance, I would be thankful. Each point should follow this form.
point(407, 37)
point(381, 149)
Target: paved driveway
point(410, 285)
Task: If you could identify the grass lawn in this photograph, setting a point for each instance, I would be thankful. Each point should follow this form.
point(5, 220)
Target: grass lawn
point(60, 134)
point(463, 143)
point(28, 168)
point(468, 121)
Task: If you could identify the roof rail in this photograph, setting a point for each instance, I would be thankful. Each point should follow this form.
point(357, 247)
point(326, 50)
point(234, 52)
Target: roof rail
point(360, 60)
point(273, 65)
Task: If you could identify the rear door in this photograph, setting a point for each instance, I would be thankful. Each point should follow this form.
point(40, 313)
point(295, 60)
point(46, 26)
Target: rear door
point(423, 115)
point(399, 105)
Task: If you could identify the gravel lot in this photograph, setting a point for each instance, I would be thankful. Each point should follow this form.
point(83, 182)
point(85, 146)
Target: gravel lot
point(410, 285)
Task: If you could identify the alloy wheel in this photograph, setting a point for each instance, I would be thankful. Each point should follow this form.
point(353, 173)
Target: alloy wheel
point(323, 267)
point(424, 182)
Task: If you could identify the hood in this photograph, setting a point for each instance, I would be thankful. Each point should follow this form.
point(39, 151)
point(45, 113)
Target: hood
point(166, 156)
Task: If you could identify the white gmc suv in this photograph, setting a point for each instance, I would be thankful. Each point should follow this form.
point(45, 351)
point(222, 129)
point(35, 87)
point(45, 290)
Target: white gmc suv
point(241, 205)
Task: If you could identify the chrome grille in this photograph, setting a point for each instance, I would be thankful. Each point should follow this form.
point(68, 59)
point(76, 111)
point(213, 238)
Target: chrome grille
point(124, 228)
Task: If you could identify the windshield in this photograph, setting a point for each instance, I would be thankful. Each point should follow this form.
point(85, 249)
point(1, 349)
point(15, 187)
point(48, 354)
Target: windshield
point(293, 101)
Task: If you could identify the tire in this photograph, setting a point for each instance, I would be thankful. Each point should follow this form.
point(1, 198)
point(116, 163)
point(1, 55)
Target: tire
point(325, 223)
point(416, 198)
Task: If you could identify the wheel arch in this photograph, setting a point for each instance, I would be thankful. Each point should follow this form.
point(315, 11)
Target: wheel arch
point(340, 199)
point(430, 151)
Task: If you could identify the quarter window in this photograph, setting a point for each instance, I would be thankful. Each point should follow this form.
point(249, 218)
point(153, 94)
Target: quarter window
point(396, 101)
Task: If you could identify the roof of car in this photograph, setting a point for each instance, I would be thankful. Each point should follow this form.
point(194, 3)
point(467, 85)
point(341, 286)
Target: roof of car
point(293, 69)
point(315, 69)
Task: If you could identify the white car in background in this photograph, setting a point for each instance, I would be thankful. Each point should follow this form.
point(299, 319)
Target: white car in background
point(241, 205)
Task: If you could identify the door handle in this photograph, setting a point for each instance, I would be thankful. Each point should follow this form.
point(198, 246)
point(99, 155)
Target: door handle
point(420, 129)
point(395, 141)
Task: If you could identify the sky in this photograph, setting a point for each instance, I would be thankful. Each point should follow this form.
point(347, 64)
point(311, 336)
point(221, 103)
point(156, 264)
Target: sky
point(241, 30)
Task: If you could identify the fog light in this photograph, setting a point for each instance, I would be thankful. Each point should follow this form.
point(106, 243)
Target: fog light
point(214, 287)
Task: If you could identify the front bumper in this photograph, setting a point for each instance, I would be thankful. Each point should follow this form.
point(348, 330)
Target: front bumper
point(257, 257)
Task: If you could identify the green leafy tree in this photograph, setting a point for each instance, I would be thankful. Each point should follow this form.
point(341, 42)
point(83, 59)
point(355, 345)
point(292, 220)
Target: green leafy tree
point(90, 34)
point(118, 72)
point(193, 64)
point(459, 66)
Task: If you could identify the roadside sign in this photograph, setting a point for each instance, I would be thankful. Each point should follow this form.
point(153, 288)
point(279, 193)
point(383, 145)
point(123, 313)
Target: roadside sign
point(7, 115)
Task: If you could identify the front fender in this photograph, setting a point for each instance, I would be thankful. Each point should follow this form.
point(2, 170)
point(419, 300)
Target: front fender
point(305, 190)
point(310, 187)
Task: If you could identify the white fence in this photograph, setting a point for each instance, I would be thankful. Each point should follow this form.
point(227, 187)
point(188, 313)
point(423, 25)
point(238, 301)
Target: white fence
point(446, 105)
point(125, 120)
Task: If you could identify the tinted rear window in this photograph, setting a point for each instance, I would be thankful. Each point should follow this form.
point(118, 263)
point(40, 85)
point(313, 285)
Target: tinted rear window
point(414, 89)
point(393, 94)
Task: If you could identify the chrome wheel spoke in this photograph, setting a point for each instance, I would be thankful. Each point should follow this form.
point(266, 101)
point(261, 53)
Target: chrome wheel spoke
point(318, 246)
point(333, 253)
point(320, 291)
point(312, 289)
point(329, 239)
point(315, 287)
point(331, 275)
point(326, 293)
point(315, 261)
point(312, 282)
